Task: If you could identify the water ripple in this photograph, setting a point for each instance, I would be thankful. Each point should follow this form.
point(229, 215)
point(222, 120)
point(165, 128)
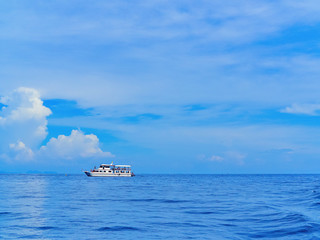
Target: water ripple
point(5, 213)
point(118, 228)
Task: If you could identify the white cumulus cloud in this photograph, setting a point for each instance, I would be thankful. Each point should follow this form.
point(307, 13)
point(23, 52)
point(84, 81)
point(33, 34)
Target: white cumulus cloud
point(23, 104)
point(20, 151)
point(77, 145)
point(23, 128)
point(23, 122)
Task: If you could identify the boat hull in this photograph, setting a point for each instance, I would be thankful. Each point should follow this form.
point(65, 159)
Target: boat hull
point(103, 174)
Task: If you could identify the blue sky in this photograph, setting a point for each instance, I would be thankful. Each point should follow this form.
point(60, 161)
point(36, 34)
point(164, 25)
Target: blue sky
point(169, 87)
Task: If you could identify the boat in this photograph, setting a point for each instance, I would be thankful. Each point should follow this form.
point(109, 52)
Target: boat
point(110, 170)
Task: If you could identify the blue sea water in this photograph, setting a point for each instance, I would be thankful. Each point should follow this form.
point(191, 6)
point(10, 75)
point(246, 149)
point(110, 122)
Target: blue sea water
point(160, 207)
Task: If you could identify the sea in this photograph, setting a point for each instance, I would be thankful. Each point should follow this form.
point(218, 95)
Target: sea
point(59, 206)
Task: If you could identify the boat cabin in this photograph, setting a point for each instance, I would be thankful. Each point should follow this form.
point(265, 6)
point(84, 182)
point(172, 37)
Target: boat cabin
point(113, 169)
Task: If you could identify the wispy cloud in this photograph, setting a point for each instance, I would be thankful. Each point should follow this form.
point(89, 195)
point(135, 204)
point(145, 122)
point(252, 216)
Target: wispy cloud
point(214, 158)
point(230, 158)
point(164, 20)
point(307, 109)
point(142, 52)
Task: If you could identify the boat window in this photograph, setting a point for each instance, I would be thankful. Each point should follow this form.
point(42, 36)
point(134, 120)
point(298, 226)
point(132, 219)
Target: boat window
point(127, 171)
point(100, 171)
point(117, 171)
point(104, 171)
point(109, 171)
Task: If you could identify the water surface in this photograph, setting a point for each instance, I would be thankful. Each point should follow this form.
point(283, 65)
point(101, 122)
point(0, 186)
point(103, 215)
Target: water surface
point(160, 207)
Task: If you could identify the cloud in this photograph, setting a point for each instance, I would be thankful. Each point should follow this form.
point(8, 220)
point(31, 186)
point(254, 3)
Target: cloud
point(23, 121)
point(23, 104)
point(214, 158)
point(21, 152)
point(23, 128)
point(307, 109)
point(236, 157)
point(162, 20)
point(201, 43)
point(77, 145)
point(230, 157)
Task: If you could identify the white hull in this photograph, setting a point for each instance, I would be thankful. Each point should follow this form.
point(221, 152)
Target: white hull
point(105, 174)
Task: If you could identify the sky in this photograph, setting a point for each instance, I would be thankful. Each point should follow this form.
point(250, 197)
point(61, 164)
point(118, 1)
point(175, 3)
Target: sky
point(212, 87)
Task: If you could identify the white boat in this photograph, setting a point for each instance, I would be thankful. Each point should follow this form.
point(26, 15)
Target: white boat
point(110, 170)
